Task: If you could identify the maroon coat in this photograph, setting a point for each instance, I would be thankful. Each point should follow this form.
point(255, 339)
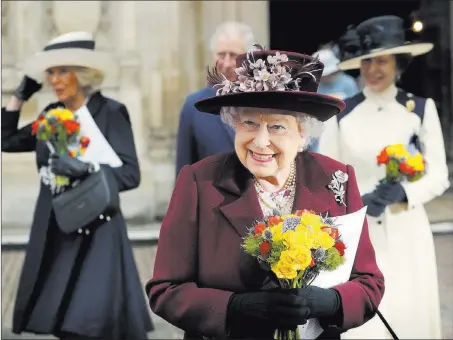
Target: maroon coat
point(200, 263)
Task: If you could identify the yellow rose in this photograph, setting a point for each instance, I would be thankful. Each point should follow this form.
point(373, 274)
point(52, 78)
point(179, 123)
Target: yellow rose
point(294, 239)
point(276, 231)
point(324, 240)
point(63, 114)
point(416, 162)
point(398, 151)
point(302, 257)
point(284, 270)
point(312, 220)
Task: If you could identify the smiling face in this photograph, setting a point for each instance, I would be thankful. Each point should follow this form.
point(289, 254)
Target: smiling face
point(64, 82)
point(267, 142)
point(379, 73)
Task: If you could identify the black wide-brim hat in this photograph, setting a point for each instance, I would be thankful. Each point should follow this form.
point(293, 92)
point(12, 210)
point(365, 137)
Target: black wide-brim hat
point(272, 79)
point(378, 36)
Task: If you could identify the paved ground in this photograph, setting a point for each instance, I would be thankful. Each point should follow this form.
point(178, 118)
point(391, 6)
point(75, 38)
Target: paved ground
point(144, 255)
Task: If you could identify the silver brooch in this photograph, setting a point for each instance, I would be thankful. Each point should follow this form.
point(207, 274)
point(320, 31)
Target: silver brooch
point(337, 185)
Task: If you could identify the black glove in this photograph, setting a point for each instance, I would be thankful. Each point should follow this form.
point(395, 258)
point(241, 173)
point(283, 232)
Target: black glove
point(269, 310)
point(390, 193)
point(321, 302)
point(68, 166)
point(27, 87)
point(375, 206)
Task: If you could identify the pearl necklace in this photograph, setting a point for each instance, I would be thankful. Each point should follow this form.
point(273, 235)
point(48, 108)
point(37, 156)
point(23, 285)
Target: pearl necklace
point(288, 193)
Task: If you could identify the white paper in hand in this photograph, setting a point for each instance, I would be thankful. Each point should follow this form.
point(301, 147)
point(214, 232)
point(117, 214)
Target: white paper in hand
point(350, 228)
point(99, 149)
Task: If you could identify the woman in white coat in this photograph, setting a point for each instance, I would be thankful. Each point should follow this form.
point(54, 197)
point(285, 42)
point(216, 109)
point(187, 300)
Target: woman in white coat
point(380, 115)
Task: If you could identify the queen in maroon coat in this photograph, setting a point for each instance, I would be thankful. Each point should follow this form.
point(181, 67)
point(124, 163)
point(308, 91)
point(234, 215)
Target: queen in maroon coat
point(203, 281)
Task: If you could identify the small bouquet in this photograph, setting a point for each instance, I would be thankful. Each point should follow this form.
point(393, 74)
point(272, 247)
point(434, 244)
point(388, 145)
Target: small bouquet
point(401, 163)
point(60, 129)
point(296, 247)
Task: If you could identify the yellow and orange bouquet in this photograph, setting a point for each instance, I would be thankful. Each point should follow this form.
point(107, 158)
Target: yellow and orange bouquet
point(402, 163)
point(296, 247)
point(60, 129)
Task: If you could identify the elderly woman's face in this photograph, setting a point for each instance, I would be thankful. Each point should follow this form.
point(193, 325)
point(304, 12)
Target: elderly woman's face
point(64, 82)
point(379, 72)
point(266, 141)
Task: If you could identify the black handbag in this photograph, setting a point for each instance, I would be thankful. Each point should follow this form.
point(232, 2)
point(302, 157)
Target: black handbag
point(92, 199)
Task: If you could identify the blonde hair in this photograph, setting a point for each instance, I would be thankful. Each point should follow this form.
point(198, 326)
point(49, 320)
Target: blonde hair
point(311, 128)
point(89, 79)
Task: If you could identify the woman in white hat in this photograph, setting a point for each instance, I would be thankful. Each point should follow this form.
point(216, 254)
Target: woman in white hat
point(382, 115)
point(82, 284)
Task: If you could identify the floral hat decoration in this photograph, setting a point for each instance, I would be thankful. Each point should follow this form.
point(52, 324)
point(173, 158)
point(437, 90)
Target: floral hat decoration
point(274, 80)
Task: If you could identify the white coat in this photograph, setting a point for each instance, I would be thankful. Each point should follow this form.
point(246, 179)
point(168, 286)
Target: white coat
point(402, 235)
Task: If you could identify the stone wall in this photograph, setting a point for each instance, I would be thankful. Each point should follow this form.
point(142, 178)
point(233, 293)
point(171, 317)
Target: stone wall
point(161, 49)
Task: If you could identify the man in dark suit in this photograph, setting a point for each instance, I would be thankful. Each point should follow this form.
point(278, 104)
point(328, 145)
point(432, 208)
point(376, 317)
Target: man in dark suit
point(200, 134)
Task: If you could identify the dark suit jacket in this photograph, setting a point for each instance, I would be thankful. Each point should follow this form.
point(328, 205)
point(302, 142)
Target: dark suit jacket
point(199, 261)
point(200, 134)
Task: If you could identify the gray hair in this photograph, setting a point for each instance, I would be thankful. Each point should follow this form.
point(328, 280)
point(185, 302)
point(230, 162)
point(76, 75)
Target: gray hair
point(311, 128)
point(233, 29)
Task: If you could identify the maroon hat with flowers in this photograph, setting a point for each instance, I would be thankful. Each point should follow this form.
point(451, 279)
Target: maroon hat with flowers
point(273, 80)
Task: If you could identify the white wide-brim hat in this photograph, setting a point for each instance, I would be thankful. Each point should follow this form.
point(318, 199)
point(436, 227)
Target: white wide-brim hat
point(71, 49)
point(330, 61)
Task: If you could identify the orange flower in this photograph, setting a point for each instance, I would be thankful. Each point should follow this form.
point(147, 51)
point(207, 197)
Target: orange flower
point(259, 228)
point(34, 127)
point(383, 157)
point(304, 211)
point(71, 126)
point(333, 232)
point(274, 220)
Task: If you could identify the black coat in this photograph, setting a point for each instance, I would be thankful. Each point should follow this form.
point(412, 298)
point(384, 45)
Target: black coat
point(78, 283)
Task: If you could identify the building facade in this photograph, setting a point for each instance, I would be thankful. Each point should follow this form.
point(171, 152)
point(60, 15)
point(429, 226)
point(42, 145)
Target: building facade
point(161, 49)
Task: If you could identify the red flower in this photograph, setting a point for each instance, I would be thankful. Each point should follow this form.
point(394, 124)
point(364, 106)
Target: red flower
point(340, 247)
point(84, 141)
point(265, 248)
point(383, 157)
point(71, 126)
point(406, 169)
point(259, 228)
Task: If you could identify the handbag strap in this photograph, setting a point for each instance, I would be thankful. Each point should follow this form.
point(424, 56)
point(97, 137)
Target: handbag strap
point(384, 321)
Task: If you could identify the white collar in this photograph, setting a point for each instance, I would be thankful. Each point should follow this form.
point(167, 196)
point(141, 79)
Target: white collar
point(385, 96)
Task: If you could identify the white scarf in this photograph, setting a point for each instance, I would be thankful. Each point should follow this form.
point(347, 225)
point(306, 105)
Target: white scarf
point(98, 151)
